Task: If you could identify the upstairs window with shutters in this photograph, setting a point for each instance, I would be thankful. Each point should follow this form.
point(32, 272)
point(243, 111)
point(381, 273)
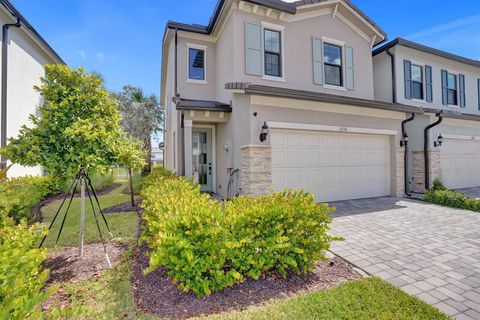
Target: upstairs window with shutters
point(417, 82)
point(272, 51)
point(452, 89)
point(333, 64)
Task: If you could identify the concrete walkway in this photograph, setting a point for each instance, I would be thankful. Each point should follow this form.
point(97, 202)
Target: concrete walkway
point(429, 251)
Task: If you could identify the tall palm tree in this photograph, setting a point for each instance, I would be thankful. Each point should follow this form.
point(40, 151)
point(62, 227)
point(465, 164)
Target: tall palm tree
point(142, 116)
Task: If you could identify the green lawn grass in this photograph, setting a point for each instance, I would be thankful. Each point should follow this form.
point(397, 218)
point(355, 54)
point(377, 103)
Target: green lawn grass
point(122, 225)
point(110, 297)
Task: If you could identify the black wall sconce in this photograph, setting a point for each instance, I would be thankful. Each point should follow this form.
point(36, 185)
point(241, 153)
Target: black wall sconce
point(439, 141)
point(404, 141)
point(264, 132)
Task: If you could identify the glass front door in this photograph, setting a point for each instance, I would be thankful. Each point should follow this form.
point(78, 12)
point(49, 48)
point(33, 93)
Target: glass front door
point(202, 158)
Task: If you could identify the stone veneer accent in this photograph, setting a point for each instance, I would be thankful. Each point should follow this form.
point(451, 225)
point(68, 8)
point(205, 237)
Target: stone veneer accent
point(419, 169)
point(399, 183)
point(255, 170)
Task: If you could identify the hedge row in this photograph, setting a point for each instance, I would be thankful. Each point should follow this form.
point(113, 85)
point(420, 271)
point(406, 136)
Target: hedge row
point(21, 275)
point(19, 195)
point(207, 246)
point(443, 196)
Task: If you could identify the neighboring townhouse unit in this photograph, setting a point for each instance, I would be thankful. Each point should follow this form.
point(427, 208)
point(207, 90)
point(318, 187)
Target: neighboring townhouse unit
point(24, 54)
point(273, 94)
point(447, 88)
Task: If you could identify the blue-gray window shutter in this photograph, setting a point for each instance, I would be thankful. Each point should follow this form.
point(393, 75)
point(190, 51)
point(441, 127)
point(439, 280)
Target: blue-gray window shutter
point(461, 81)
point(253, 49)
point(349, 68)
point(445, 87)
point(317, 45)
point(407, 73)
point(478, 92)
point(428, 84)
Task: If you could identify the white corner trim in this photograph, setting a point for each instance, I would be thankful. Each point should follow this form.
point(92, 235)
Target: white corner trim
point(460, 137)
point(272, 78)
point(333, 41)
point(333, 87)
point(319, 127)
point(272, 26)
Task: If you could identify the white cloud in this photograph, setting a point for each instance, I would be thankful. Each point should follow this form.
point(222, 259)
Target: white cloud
point(100, 56)
point(82, 54)
point(466, 22)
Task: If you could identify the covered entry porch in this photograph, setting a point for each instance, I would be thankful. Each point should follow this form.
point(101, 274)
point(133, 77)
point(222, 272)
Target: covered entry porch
point(200, 119)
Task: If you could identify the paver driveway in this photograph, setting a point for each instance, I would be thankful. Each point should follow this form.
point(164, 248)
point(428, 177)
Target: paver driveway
point(426, 250)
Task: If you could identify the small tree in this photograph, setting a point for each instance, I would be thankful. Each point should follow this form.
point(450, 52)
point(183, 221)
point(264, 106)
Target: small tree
point(141, 117)
point(78, 129)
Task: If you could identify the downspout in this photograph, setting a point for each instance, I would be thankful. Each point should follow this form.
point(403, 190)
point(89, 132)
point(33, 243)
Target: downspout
point(175, 88)
point(404, 143)
point(3, 112)
point(183, 143)
point(425, 148)
point(394, 78)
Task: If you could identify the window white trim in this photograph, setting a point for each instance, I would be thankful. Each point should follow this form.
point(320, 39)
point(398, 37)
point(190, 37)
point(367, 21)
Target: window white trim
point(341, 44)
point(198, 47)
point(281, 29)
point(457, 76)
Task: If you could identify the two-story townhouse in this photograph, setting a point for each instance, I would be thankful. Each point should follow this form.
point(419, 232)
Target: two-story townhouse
point(445, 141)
point(24, 54)
point(272, 94)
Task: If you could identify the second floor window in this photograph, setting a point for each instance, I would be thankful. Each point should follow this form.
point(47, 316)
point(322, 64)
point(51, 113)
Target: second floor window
point(452, 89)
point(417, 82)
point(272, 47)
point(196, 64)
point(333, 64)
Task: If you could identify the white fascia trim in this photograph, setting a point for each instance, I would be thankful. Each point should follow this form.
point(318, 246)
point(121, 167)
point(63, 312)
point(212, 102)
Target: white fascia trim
point(319, 127)
point(460, 137)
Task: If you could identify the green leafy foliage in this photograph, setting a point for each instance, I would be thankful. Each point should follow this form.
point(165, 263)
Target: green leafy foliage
point(78, 128)
point(443, 196)
point(21, 276)
point(20, 195)
point(207, 246)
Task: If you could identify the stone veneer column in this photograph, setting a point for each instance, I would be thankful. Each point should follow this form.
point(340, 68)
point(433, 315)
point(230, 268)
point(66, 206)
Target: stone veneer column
point(399, 185)
point(255, 170)
point(419, 169)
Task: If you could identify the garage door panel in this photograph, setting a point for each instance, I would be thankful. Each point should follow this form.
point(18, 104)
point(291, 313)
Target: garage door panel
point(333, 166)
point(460, 163)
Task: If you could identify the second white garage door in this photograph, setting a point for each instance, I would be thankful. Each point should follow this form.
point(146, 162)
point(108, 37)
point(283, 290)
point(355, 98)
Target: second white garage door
point(333, 166)
point(460, 163)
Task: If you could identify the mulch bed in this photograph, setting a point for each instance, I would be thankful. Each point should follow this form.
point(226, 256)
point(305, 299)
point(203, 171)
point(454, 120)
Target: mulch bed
point(155, 294)
point(67, 266)
point(36, 211)
point(124, 207)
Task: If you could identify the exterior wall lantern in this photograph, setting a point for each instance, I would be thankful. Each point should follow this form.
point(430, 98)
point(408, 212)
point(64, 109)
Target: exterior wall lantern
point(404, 141)
point(264, 132)
point(439, 141)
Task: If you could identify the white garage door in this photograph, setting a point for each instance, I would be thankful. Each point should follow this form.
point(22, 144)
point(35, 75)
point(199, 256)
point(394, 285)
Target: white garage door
point(460, 163)
point(333, 166)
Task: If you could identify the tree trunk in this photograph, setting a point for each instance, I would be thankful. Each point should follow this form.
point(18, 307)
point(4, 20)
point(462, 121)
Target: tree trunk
point(82, 215)
point(147, 147)
point(130, 179)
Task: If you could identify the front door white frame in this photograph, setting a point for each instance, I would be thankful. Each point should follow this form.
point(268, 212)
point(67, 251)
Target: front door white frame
point(214, 152)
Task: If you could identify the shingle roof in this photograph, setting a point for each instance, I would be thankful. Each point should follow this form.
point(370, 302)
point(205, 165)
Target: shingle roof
point(191, 104)
point(287, 7)
point(423, 48)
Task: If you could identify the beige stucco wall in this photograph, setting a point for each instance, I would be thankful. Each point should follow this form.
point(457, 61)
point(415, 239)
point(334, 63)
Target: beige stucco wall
point(25, 67)
point(382, 77)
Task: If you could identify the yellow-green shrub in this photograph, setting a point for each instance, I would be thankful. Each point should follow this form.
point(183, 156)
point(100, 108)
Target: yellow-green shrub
point(21, 276)
point(207, 246)
point(19, 195)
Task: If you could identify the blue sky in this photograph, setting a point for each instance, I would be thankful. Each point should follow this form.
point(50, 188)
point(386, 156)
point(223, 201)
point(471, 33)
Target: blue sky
point(122, 39)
